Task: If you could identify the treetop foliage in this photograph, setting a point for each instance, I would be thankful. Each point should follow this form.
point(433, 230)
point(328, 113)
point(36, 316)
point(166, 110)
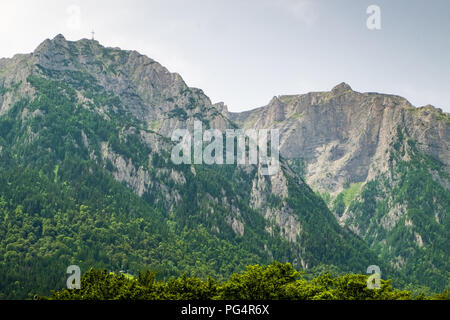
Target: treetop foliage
point(277, 281)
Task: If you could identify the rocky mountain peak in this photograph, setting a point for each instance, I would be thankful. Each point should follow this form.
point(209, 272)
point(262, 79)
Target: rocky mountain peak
point(59, 38)
point(49, 44)
point(341, 88)
point(153, 94)
point(222, 108)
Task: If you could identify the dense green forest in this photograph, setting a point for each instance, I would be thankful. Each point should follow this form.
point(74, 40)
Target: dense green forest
point(46, 226)
point(273, 282)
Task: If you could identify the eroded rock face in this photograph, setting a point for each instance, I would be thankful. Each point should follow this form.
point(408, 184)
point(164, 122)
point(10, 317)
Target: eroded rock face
point(283, 216)
point(344, 135)
point(159, 98)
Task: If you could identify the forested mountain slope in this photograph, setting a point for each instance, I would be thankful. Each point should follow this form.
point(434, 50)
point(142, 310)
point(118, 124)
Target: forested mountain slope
point(86, 178)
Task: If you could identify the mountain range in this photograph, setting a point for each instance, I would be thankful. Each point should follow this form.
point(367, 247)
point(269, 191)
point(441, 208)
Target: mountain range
point(86, 177)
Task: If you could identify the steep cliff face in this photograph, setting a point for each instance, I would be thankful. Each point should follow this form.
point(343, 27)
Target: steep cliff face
point(344, 136)
point(381, 164)
point(152, 94)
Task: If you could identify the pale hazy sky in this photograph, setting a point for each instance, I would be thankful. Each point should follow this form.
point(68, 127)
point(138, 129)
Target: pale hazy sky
point(244, 52)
